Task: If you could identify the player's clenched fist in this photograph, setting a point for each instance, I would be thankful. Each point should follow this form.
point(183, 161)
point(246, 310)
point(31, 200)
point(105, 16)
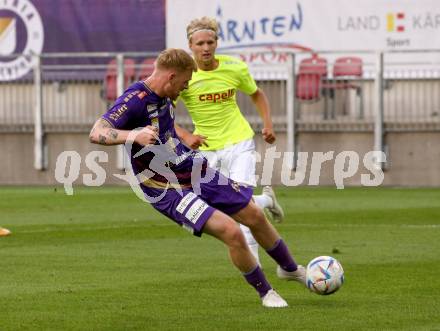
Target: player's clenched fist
point(268, 135)
point(194, 141)
point(146, 136)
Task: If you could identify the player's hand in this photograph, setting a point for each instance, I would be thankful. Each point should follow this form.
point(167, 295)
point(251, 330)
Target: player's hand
point(194, 141)
point(268, 135)
point(147, 135)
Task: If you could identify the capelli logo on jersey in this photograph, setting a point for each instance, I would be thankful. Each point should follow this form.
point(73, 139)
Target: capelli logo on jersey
point(217, 97)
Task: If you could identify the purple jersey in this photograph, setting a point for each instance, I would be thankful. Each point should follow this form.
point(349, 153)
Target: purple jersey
point(168, 159)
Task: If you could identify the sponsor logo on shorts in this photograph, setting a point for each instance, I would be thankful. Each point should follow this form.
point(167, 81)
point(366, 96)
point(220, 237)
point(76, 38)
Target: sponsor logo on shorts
point(186, 200)
point(196, 210)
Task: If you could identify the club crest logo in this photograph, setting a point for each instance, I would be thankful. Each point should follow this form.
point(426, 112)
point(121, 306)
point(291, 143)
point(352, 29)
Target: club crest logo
point(235, 186)
point(21, 37)
point(8, 35)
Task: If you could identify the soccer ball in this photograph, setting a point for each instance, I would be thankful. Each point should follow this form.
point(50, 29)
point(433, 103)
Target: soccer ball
point(324, 275)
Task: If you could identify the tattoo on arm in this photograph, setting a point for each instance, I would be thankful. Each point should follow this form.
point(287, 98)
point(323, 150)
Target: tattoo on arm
point(104, 124)
point(105, 133)
point(112, 133)
point(102, 139)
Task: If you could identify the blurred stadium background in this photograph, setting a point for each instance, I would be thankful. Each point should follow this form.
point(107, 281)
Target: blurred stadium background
point(341, 75)
point(343, 78)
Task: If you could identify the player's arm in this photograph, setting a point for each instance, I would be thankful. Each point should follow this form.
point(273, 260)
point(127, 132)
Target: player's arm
point(104, 133)
point(193, 141)
point(261, 102)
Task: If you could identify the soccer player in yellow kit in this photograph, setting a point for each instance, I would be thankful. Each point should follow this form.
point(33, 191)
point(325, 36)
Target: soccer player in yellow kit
point(221, 131)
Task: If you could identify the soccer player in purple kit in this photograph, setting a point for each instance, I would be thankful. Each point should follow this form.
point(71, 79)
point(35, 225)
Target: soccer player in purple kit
point(143, 117)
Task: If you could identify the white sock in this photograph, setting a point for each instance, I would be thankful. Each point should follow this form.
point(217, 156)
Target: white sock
point(263, 201)
point(252, 243)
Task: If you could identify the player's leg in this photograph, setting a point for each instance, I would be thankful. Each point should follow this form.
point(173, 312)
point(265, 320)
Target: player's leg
point(268, 237)
point(194, 214)
point(223, 161)
point(242, 170)
point(241, 161)
point(225, 229)
point(251, 242)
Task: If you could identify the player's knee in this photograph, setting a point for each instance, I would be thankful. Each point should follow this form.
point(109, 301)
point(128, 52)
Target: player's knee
point(255, 217)
point(234, 236)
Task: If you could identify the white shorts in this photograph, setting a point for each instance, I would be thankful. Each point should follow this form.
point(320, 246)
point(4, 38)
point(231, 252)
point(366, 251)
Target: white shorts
point(236, 162)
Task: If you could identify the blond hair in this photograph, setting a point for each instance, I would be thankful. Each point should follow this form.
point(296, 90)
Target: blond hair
point(203, 23)
point(175, 58)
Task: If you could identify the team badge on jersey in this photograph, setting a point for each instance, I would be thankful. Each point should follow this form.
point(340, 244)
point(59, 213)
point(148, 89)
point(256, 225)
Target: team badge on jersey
point(235, 186)
point(151, 108)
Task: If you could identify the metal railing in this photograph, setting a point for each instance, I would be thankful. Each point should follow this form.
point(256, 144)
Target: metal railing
point(66, 92)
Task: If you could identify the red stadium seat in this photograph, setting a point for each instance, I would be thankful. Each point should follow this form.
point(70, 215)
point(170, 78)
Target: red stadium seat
point(308, 87)
point(348, 66)
point(312, 81)
point(314, 65)
point(146, 68)
point(311, 72)
point(110, 80)
point(346, 70)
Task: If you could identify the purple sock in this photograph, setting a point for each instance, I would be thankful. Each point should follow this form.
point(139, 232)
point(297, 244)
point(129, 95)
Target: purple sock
point(257, 279)
point(280, 253)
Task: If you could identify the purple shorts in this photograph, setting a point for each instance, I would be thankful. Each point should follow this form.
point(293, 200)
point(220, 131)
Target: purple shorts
point(192, 211)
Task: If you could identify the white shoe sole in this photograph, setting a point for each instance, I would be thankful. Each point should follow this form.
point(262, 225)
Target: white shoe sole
point(277, 213)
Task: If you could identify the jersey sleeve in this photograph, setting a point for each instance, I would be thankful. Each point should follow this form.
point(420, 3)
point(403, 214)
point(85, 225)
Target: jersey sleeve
point(125, 111)
point(247, 83)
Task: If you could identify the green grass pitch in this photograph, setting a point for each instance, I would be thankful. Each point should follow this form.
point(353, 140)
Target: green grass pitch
point(103, 260)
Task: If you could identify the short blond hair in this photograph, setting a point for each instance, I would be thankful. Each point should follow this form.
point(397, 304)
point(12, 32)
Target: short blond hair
point(203, 23)
point(175, 58)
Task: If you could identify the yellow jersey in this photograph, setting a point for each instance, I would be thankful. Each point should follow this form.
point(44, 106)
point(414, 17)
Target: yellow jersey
point(211, 102)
